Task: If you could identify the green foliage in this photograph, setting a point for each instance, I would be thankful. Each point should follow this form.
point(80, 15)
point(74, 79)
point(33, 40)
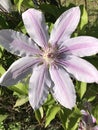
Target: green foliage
point(51, 113)
point(84, 17)
point(81, 88)
point(3, 117)
point(21, 101)
point(95, 112)
point(39, 114)
point(50, 9)
point(24, 3)
point(18, 3)
point(70, 119)
point(2, 70)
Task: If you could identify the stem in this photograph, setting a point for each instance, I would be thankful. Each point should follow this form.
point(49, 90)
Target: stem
point(85, 4)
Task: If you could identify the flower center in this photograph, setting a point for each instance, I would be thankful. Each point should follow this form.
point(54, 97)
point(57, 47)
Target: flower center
point(49, 55)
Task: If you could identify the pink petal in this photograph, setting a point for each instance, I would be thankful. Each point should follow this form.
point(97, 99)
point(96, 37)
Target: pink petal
point(17, 43)
point(87, 117)
point(63, 89)
point(34, 22)
point(80, 69)
point(18, 70)
point(5, 5)
point(39, 86)
point(65, 25)
point(82, 46)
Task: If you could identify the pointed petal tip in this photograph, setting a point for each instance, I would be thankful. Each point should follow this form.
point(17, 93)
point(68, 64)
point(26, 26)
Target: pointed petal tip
point(38, 87)
point(65, 25)
point(35, 107)
point(71, 106)
point(63, 90)
point(36, 27)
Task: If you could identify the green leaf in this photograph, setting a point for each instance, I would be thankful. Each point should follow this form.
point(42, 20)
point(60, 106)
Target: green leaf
point(51, 9)
point(18, 3)
point(70, 118)
point(3, 117)
point(28, 4)
point(3, 23)
point(91, 92)
point(39, 114)
point(73, 120)
point(1, 51)
point(83, 88)
point(84, 17)
point(20, 89)
point(2, 70)
point(64, 114)
point(96, 113)
point(51, 113)
point(21, 27)
point(50, 100)
point(21, 101)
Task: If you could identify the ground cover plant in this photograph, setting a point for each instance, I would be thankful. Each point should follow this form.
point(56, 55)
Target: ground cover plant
point(48, 65)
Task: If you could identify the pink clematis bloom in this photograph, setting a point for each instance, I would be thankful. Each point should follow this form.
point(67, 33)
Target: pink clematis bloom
point(87, 122)
point(50, 61)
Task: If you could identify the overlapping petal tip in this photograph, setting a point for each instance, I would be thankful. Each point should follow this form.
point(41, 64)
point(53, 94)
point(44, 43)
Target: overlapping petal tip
point(34, 22)
point(39, 86)
point(63, 91)
point(18, 70)
point(17, 43)
point(65, 25)
point(82, 46)
point(80, 69)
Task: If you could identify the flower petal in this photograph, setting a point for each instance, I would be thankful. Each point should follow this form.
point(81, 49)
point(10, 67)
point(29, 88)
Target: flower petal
point(80, 69)
point(5, 5)
point(34, 22)
point(39, 86)
point(65, 25)
point(16, 43)
point(82, 46)
point(63, 90)
point(17, 71)
point(88, 118)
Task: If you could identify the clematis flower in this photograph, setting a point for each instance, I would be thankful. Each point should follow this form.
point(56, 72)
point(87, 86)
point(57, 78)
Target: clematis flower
point(87, 122)
point(50, 61)
point(5, 5)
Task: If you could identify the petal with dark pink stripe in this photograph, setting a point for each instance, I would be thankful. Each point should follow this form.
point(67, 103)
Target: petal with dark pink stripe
point(38, 86)
point(80, 69)
point(65, 26)
point(81, 46)
point(63, 90)
point(34, 22)
point(18, 43)
point(18, 70)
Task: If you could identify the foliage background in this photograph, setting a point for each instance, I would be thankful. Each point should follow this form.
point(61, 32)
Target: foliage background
point(15, 110)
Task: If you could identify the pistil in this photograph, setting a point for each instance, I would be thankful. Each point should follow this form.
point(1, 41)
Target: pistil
point(49, 55)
